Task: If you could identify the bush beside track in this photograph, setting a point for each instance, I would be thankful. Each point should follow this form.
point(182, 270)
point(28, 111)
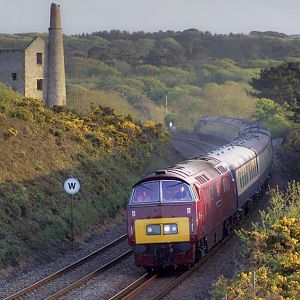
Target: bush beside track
point(273, 249)
point(40, 148)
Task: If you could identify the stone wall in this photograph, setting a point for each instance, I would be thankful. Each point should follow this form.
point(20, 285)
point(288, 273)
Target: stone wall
point(35, 70)
point(12, 63)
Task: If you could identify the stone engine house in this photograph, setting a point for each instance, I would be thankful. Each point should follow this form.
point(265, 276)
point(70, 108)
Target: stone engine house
point(38, 70)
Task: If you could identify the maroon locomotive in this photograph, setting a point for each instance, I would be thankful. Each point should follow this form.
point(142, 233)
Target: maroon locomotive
point(176, 215)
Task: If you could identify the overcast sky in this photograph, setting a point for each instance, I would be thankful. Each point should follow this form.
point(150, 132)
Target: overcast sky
point(220, 16)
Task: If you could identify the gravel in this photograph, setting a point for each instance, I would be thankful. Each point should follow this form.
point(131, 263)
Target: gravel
point(108, 283)
point(37, 270)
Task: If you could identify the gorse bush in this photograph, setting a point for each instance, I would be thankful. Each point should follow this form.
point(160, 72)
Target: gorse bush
point(273, 248)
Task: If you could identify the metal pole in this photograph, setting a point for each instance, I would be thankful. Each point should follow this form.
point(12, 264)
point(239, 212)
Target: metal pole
point(253, 283)
point(166, 102)
point(72, 220)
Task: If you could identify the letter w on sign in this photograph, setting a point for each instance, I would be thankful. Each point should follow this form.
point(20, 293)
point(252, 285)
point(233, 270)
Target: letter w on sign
point(72, 186)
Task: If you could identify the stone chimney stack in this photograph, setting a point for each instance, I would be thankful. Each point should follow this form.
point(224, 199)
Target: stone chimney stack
point(56, 90)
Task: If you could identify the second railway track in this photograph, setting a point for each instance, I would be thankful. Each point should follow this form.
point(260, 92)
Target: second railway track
point(56, 285)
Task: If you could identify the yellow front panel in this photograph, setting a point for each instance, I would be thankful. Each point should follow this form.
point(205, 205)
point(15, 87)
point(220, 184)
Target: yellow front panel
point(183, 234)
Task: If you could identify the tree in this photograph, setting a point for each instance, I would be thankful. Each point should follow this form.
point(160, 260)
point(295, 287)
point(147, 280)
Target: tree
point(281, 84)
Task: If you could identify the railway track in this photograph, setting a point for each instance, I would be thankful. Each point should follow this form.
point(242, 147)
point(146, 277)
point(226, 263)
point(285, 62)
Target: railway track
point(193, 140)
point(143, 284)
point(35, 287)
point(190, 146)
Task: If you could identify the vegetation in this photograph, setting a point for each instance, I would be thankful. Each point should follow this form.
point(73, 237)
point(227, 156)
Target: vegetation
point(281, 114)
point(135, 73)
point(273, 248)
point(185, 48)
point(281, 84)
point(108, 152)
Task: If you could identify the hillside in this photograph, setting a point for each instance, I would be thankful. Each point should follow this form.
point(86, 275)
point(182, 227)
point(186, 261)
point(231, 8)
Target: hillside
point(41, 148)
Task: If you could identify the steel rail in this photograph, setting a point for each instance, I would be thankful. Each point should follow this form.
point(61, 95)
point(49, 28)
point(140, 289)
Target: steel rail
point(87, 277)
point(165, 291)
point(204, 146)
point(62, 271)
point(141, 284)
point(135, 288)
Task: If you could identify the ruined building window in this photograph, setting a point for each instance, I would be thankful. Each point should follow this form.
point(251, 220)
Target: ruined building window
point(39, 84)
point(14, 76)
point(39, 58)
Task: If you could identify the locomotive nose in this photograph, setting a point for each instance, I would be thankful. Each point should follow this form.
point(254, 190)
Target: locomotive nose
point(162, 230)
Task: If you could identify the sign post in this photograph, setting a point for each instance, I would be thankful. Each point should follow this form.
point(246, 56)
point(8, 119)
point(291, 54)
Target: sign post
point(72, 186)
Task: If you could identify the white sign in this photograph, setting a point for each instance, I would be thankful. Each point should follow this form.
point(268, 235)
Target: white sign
point(71, 186)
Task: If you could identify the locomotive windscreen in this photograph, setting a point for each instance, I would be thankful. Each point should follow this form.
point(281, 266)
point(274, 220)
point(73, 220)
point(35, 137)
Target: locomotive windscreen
point(161, 191)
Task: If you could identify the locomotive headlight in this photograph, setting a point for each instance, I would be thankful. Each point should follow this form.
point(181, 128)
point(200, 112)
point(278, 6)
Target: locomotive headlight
point(170, 229)
point(153, 229)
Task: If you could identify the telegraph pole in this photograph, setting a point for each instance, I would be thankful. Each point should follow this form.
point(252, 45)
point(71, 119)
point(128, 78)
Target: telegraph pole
point(166, 102)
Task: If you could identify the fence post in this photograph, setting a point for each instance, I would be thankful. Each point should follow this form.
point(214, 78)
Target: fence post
point(253, 283)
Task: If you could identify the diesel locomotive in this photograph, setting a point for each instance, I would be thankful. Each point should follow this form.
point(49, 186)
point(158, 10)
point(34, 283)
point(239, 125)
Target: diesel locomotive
point(177, 214)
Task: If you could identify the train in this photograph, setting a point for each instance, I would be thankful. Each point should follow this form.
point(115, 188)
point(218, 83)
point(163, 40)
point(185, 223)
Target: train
point(177, 214)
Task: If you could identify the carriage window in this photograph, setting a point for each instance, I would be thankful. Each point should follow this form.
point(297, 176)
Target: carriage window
point(146, 192)
point(173, 191)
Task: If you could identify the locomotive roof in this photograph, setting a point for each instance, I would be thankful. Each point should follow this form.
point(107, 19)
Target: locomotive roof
point(186, 170)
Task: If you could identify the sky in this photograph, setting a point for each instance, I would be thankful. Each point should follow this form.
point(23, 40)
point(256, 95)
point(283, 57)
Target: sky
point(217, 16)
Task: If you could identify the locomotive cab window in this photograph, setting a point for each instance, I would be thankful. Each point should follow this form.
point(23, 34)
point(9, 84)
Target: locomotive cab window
point(146, 192)
point(173, 191)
